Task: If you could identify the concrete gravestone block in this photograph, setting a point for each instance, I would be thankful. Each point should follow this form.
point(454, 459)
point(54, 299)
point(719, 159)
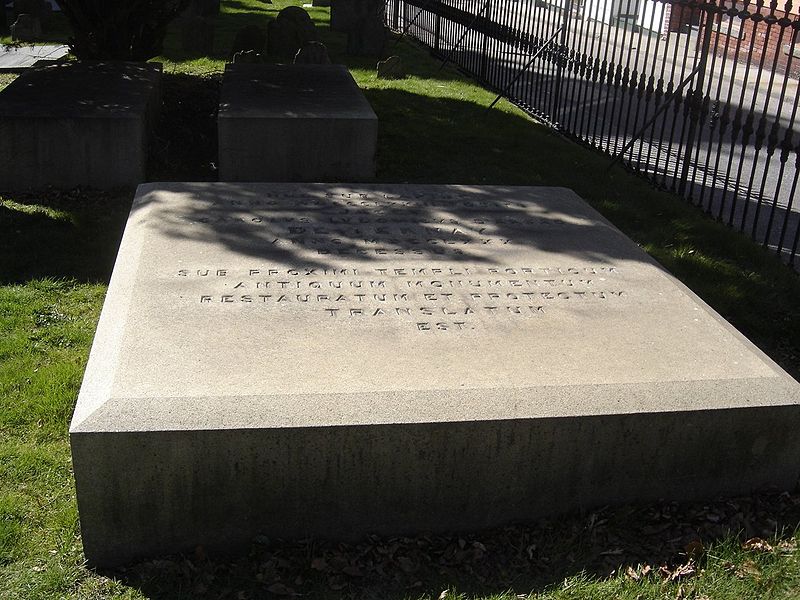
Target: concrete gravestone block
point(294, 123)
point(79, 123)
point(295, 360)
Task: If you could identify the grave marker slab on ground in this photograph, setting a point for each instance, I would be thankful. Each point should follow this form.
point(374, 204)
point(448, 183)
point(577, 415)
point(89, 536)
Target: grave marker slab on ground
point(19, 58)
point(77, 123)
point(294, 123)
point(295, 360)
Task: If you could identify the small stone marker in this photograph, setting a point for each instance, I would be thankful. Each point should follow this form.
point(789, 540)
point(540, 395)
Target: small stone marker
point(290, 31)
point(250, 38)
point(333, 361)
point(78, 123)
point(26, 28)
point(312, 53)
point(294, 123)
point(248, 57)
point(391, 68)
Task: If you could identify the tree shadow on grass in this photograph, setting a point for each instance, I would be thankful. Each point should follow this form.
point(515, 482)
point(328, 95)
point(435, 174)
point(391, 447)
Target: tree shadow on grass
point(61, 235)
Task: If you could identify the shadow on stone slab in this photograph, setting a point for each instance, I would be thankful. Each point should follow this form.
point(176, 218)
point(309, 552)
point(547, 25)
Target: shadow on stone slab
point(517, 559)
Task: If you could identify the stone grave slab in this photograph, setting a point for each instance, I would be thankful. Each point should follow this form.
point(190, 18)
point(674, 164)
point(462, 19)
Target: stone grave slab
point(15, 59)
point(78, 123)
point(298, 122)
point(329, 361)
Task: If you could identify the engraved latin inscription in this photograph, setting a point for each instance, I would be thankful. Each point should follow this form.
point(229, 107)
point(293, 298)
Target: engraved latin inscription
point(426, 298)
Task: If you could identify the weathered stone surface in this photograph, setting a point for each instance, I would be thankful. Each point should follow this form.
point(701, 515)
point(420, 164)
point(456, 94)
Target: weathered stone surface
point(294, 123)
point(295, 360)
point(250, 38)
point(289, 32)
point(312, 53)
point(79, 123)
point(391, 68)
point(26, 28)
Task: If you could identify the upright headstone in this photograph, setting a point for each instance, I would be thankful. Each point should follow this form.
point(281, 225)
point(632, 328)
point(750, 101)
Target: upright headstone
point(35, 8)
point(341, 15)
point(290, 31)
point(366, 33)
point(299, 122)
point(312, 53)
point(391, 68)
point(79, 123)
point(26, 28)
point(247, 57)
point(197, 34)
point(334, 361)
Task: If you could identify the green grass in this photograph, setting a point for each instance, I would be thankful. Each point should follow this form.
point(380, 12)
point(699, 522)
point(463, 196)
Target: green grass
point(56, 254)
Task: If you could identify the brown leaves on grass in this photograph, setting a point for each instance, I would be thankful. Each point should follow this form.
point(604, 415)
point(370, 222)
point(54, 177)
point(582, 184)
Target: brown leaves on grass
point(663, 541)
point(757, 545)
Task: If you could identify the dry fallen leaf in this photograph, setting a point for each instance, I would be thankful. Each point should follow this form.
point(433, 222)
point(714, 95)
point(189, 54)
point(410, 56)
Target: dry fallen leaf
point(757, 544)
point(319, 564)
point(748, 569)
point(694, 549)
point(280, 589)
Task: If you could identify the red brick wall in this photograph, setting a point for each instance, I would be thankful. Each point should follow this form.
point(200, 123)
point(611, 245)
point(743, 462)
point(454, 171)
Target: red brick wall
point(757, 41)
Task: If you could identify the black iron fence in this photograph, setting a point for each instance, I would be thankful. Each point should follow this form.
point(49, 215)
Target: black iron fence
point(699, 97)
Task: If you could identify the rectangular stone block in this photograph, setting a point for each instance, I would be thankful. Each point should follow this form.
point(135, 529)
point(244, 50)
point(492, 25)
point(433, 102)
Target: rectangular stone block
point(78, 123)
point(294, 123)
point(317, 360)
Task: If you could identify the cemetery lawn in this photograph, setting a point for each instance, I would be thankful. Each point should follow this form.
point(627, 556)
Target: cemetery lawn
point(56, 254)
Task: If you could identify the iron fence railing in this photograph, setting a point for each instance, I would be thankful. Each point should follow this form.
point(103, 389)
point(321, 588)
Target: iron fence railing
point(699, 97)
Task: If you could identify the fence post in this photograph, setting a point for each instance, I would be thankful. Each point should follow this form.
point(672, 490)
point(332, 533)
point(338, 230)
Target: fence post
point(395, 16)
point(695, 100)
point(485, 46)
point(562, 58)
point(437, 29)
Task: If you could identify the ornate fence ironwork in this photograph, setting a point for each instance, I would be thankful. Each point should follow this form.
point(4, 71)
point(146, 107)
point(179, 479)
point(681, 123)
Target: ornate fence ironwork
point(701, 98)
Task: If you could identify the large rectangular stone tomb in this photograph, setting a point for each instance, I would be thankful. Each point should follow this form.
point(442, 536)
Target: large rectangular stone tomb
point(82, 123)
point(294, 123)
point(313, 360)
